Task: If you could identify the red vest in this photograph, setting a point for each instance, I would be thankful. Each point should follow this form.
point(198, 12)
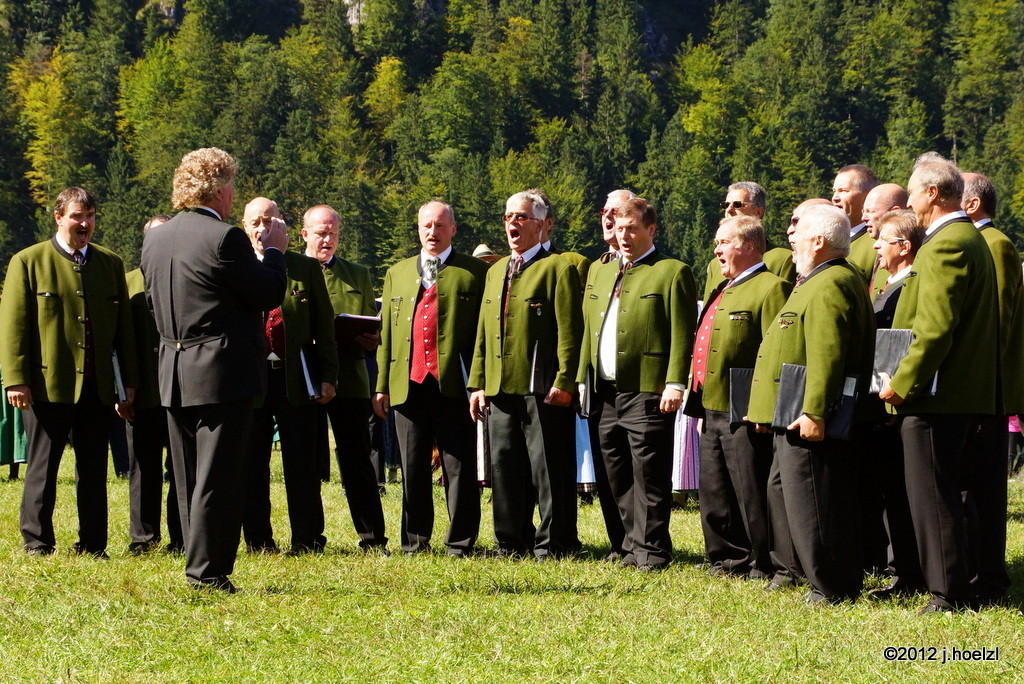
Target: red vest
point(424, 336)
point(700, 347)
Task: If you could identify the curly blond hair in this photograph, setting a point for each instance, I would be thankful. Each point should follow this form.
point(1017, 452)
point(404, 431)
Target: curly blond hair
point(200, 175)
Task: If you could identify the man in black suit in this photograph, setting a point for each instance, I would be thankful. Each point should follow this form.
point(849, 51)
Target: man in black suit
point(208, 291)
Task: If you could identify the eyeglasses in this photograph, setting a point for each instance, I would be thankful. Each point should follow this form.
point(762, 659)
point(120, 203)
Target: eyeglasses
point(735, 204)
point(517, 217)
point(793, 220)
point(893, 241)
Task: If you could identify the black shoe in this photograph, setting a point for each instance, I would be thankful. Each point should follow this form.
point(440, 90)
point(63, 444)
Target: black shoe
point(717, 571)
point(302, 549)
point(612, 557)
point(937, 605)
point(895, 590)
point(141, 548)
point(452, 552)
point(780, 582)
point(269, 547)
point(756, 575)
point(653, 567)
point(376, 550)
point(81, 550)
point(174, 547)
point(217, 583)
point(39, 551)
point(816, 598)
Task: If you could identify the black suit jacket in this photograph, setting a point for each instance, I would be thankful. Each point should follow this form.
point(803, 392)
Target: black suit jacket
point(208, 290)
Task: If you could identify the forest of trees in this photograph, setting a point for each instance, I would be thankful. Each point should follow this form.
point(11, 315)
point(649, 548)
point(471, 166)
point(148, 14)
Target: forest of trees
point(375, 106)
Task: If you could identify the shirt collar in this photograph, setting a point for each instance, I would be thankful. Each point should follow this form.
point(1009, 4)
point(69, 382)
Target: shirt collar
point(945, 218)
point(622, 259)
point(68, 248)
point(747, 272)
point(443, 256)
point(530, 253)
point(546, 246)
point(899, 275)
point(212, 211)
point(856, 228)
point(982, 223)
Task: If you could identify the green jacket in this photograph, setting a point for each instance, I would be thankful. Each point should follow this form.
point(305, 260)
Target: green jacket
point(147, 342)
point(460, 288)
point(308, 325)
point(779, 261)
point(826, 325)
point(541, 334)
point(42, 322)
point(954, 318)
point(579, 262)
point(351, 292)
point(654, 335)
point(863, 253)
point(1010, 296)
point(743, 316)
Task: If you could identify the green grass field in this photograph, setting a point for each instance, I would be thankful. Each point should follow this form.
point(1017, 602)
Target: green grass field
point(345, 616)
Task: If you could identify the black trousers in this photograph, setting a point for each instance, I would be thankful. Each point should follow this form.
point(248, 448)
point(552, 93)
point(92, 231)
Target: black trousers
point(734, 466)
point(941, 466)
point(297, 431)
point(986, 500)
point(609, 507)
point(889, 472)
point(209, 447)
point(819, 508)
point(872, 461)
point(47, 427)
point(350, 422)
point(147, 438)
point(636, 447)
point(533, 464)
point(427, 418)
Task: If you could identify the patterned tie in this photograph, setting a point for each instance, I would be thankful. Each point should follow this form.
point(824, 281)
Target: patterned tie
point(515, 264)
point(430, 270)
point(622, 275)
point(78, 257)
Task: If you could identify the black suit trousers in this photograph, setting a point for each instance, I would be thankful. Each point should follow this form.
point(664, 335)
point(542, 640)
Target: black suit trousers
point(609, 507)
point(209, 447)
point(986, 507)
point(533, 463)
point(350, 422)
point(820, 510)
point(147, 438)
point(734, 466)
point(297, 431)
point(47, 427)
point(636, 447)
point(426, 418)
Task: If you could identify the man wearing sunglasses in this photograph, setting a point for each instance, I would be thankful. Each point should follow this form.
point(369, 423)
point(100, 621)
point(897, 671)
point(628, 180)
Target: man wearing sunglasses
point(747, 198)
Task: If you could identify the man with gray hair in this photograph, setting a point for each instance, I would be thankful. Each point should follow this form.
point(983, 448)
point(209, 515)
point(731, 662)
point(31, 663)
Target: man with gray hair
point(947, 383)
point(988, 501)
point(524, 372)
point(827, 328)
point(614, 200)
point(747, 198)
point(849, 190)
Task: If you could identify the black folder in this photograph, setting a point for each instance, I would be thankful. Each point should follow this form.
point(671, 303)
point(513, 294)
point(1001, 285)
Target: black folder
point(740, 380)
point(790, 403)
point(891, 346)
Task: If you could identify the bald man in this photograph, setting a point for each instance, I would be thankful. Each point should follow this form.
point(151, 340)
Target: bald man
point(881, 199)
point(300, 340)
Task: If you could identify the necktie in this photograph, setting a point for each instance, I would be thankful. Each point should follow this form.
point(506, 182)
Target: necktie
point(515, 264)
point(430, 270)
point(622, 274)
point(607, 256)
point(78, 257)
